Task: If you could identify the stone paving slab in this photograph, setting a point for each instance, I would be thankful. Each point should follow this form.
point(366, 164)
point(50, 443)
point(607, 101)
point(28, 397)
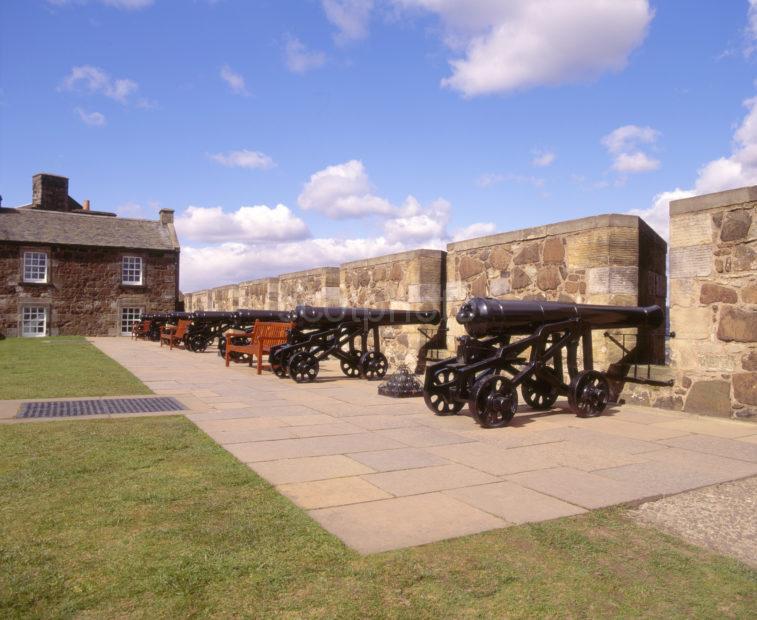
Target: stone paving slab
point(383, 473)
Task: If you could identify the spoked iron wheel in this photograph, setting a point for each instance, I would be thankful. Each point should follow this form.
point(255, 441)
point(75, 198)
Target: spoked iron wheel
point(303, 367)
point(538, 394)
point(277, 358)
point(351, 367)
point(198, 343)
point(493, 401)
point(373, 365)
point(437, 397)
point(589, 393)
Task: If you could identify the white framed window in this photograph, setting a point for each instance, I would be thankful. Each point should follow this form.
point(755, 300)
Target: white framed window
point(35, 267)
point(129, 316)
point(131, 270)
point(33, 321)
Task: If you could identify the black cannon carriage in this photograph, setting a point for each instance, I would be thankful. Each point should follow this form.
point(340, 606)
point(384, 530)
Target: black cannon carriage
point(343, 333)
point(490, 366)
point(158, 320)
point(243, 320)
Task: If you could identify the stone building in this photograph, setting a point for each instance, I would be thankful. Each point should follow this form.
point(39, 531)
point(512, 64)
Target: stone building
point(68, 270)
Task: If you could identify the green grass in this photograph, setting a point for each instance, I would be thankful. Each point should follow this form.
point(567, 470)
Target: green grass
point(60, 367)
point(148, 518)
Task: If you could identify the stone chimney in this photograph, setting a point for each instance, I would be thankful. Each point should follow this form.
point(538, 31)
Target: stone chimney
point(50, 192)
point(166, 216)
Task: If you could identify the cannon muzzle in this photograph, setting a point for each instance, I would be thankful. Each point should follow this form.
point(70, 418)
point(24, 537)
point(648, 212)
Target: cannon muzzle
point(490, 317)
point(312, 316)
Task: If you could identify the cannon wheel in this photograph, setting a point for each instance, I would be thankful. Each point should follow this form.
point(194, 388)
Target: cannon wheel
point(351, 367)
point(373, 365)
point(437, 396)
point(198, 343)
point(589, 393)
point(278, 361)
point(494, 401)
point(303, 367)
point(539, 394)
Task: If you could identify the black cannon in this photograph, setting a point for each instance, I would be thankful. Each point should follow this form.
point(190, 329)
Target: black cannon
point(158, 320)
point(489, 366)
point(206, 326)
point(244, 320)
point(342, 333)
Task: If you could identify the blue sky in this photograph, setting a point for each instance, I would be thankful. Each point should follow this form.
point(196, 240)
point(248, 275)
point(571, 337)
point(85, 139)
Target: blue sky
point(290, 134)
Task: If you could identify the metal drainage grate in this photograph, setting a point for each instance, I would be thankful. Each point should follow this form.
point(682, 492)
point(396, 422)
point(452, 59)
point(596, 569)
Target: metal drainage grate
point(68, 408)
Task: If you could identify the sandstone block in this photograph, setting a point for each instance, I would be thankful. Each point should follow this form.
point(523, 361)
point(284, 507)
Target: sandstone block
point(715, 293)
point(455, 291)
point(691, 323)
point(749, 294)
point(571, 287)
point(690, 229)
point(478, 286)
point(735, 225)
point(744, 259)
point(690, 262)
point(737, 324)
point(469, 267)
point(528, 254)
point(499, 286)
point(519, 279)
point(710, 397)
point(548, 278)
point(745, 387)
point(684, 292)
point(396, 273)
point(554, 251)
point(749, 361)
point(500, 258)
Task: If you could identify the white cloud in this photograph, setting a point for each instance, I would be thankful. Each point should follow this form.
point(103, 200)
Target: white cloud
point(94, 119)
point(543, 158)
point(520, 44)
point(343, 191)
point(737, 170)
point(351, 18)
point(258, 223)
point(479, 229)
point(234, 80)
point(204, 267)
point(414, 223)
point(625, 145)
point(635, 162)
point(244, 159)
point(751, 30)
point(299, 59)
point(96, 80)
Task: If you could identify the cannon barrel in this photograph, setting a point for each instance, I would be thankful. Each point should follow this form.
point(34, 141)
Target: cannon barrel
point(209, 316)
point(175, 316)
point(490, 317)
point(312, 316)
point(272, 316)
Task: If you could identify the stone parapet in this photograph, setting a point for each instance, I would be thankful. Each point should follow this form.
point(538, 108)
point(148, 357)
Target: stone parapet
point(262, 294)
point(404, 281)
point(315, 287)
point(713, 277)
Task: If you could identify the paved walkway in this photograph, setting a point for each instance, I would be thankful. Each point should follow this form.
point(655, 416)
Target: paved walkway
point(384, 474)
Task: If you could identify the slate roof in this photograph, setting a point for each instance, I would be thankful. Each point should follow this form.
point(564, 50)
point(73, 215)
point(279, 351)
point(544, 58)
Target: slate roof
point(55, 227)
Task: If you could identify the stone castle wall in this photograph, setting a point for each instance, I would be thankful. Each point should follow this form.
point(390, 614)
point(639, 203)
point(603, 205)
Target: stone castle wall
point(713, 271)
point(84, 295)
point(315, 287)
point(260, 294)
point(405, 281)
point(606, 259)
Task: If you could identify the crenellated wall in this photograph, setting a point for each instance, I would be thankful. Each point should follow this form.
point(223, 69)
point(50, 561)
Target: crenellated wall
point(605, 259)
point(406, 281)
point(713, 276)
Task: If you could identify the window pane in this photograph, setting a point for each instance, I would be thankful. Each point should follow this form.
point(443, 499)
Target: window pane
point(35, 267)
point(129, 316)
point(131, 270)
point(34, 321)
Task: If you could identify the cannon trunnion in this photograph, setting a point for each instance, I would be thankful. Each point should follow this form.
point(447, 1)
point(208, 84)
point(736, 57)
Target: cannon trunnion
point(489, 366)
point(344, 333)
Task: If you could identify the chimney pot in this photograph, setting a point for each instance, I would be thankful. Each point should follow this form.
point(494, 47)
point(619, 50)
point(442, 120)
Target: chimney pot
point(85, 205)
point(166, 216)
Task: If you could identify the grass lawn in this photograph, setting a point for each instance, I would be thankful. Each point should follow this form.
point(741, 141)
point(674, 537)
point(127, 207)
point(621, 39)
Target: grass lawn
point(147, 517)
point(61, 366)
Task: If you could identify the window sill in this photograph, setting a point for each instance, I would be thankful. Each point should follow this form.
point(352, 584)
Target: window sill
point(36, 284)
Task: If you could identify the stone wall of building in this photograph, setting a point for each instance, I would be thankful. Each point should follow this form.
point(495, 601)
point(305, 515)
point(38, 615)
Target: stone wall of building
point(405, 281)
point(84, 294)
point(605, 259)
point(315, 287)
point(713, 271)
